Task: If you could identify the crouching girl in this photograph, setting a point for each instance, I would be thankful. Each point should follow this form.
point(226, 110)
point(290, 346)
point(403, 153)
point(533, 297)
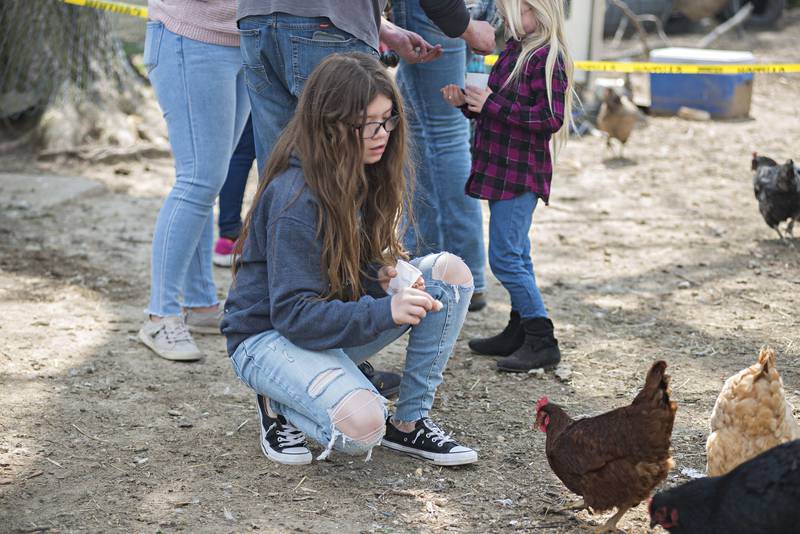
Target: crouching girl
point(317, 253)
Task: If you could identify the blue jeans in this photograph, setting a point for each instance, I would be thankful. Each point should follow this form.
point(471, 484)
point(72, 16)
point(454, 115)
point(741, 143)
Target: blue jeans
point(510, 253)
point(232, 193)
point(201, 91)
point(279, 52)
point(446, 218)
point(273, 366)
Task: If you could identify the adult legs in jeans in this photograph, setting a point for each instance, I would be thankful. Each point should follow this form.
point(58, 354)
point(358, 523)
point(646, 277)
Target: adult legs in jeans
point(279, 52)
point(232, 193)
point(447, 219)
point(231, 196)
point(510, 253)
point(200, 89)
point(313, 389)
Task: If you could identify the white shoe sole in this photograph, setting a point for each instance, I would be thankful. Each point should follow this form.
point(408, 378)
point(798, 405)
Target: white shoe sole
point(223, 261)
point(189, 357)
point(286, 459)
point(450, 459)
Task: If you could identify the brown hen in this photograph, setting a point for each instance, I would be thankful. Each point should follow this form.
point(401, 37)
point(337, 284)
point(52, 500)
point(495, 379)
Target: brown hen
point(618, 117)
point(616, 459)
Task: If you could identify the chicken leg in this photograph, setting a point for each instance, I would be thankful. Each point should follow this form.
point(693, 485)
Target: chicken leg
point(575, 506)
point(611, 524)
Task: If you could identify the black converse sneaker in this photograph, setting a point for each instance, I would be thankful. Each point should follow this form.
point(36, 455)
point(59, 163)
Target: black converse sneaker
point(280, 441)
point(428, 442)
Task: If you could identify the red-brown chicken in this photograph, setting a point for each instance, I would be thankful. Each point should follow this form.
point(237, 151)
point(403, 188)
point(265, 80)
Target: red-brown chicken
point(616, 459)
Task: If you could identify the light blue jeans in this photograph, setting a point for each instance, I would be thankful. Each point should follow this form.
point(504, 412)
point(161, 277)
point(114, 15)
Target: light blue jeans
point(200, 88)
point(279, 52)
point(273, 366)
point(446, 218)
point(510, 253)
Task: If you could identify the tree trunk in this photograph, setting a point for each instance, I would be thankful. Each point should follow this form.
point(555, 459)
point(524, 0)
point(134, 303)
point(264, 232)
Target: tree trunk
point(65, 81)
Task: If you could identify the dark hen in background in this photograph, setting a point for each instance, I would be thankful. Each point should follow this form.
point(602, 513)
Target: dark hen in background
point(777, 188)
point(761, 496)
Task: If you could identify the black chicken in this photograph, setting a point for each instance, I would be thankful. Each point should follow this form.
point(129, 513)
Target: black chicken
point(761, 496)
point(777, 188)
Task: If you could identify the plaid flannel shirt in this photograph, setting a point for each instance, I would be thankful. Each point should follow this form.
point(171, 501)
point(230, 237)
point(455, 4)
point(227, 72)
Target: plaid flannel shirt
point(511, 148)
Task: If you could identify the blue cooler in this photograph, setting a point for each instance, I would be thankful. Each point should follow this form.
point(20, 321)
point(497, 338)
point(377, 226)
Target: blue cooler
point(725, 96)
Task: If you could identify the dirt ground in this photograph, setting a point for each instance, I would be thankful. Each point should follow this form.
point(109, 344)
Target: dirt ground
point(661, 255)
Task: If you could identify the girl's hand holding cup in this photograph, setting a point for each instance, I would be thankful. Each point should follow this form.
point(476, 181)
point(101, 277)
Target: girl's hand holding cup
point(385, 275)
point(410, 302)
point(410, 306)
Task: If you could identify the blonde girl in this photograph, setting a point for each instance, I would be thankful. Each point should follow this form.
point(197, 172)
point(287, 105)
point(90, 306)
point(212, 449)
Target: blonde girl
point(309, 301)
point(526, 106)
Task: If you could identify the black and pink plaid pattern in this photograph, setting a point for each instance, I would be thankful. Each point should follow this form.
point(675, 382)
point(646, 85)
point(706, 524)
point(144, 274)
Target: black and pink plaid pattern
point(511, 149)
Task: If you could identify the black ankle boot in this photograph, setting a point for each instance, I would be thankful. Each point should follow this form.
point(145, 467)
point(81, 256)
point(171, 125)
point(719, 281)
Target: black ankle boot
point(504, 343)
point(539, 350)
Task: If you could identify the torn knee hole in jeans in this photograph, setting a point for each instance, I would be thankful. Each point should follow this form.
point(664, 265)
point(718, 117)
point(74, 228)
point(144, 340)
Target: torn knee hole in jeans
point(355, 419)
point(451, 269)
point(323, 380)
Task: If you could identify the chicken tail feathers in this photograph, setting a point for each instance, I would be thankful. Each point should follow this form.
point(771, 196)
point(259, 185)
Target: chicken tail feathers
point(766, 358)
point(656, 388)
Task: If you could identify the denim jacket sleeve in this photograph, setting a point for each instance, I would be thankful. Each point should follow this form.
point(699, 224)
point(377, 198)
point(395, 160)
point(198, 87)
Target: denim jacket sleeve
point(296, 281)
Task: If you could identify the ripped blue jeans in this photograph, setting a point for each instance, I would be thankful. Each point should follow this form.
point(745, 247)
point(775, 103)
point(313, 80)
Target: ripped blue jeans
point(309, 388)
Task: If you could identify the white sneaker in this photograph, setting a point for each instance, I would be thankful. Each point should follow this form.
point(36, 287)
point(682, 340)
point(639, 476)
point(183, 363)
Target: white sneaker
point(203, 322)
point(169, 338)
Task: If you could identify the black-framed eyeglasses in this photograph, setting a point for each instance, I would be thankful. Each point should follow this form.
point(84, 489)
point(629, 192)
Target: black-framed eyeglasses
point(370, 129)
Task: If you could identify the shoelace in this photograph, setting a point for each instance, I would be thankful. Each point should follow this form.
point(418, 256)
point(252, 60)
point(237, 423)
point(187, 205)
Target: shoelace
point(176, 332)
point(290, 436)
point(434, 433)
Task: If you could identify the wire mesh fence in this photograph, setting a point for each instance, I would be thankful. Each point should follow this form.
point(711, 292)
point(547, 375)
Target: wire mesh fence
point(49, 49)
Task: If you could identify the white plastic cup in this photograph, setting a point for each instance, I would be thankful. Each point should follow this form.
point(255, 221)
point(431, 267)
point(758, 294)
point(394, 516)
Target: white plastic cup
point(407, 276)
point(477, 79)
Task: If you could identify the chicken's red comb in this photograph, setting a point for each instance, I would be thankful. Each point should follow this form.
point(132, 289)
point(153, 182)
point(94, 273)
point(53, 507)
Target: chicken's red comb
point(541, 403)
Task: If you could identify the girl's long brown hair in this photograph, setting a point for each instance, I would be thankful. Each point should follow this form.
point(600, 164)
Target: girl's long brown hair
point(361, 207)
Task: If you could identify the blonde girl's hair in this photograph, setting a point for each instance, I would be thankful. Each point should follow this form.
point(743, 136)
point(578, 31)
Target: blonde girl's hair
point(361, 208)
point(551, 24)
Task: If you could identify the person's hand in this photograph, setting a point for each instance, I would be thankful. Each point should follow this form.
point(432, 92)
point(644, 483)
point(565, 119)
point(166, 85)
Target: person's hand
point(419, 284)
point(410, 306)
point(476, 98)
point(408, 45)
point(385, 275)
point(454, 96)
point(479, 35)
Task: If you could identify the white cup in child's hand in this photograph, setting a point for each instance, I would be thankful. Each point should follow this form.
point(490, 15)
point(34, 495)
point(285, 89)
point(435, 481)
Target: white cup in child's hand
point(407, 276)
point(479, 80)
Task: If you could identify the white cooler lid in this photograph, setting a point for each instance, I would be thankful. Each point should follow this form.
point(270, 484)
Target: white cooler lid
point(700, 55)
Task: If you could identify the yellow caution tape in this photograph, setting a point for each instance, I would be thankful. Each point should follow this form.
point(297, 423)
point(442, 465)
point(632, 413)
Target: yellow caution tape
point(115, 7)
point(670, 68)
point(673, 68)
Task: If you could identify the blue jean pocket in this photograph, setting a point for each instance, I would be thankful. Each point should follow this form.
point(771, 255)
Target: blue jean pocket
point(255, 74)
point(152, 45)
point(308, 52)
